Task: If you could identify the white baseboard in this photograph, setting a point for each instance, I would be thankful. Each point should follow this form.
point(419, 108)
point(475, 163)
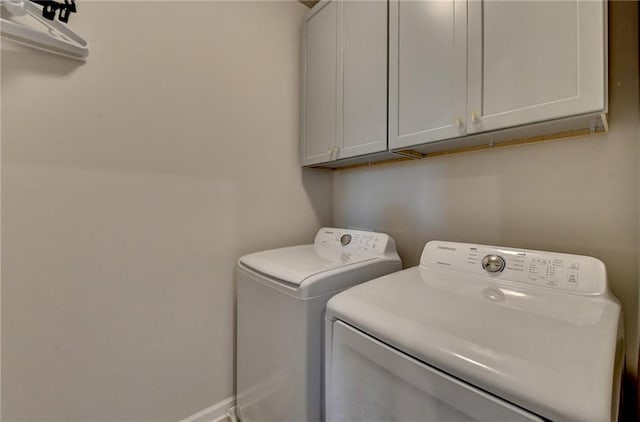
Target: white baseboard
point(216, 413)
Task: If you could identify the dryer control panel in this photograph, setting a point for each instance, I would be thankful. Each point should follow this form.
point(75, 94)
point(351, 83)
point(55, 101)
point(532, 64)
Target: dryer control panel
point(359, 240)
point(572, 273)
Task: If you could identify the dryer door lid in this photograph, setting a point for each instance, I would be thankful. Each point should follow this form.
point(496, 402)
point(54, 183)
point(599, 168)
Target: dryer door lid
point(552, 353)
point(297, 263)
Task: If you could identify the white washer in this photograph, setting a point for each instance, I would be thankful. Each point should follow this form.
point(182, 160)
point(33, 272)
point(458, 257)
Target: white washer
point(281, 301)
point(477, 333)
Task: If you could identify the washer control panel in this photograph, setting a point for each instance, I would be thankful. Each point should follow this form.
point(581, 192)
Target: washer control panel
point(573, 273)
point(359, 240)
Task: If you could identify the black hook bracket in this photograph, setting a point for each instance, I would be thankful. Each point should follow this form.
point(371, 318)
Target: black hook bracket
point(50, 7)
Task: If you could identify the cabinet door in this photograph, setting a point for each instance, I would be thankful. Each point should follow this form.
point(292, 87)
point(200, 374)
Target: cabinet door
point(362, 103)
point(531, 61)
point(427, 71)
point(320, 73)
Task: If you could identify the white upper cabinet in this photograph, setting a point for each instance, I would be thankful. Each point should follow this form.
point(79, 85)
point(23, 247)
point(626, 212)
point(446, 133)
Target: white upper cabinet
point(427, 71)
point(459, 67)
point(344, 81)
point(531, 61)
point(460, 73)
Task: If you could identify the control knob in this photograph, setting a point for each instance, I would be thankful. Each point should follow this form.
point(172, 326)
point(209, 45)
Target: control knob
point(345, 239)
point(493, 263)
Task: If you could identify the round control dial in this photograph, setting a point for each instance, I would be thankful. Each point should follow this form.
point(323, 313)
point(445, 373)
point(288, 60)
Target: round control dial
point(493, 263)
point(345, 239)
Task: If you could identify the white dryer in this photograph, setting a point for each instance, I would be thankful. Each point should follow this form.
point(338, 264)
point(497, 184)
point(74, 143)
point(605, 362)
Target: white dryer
point(477, 333)
point(280, 306)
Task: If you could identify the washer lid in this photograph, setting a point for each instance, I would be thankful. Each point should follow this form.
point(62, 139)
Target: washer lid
point(298, 263)
point(544, 349)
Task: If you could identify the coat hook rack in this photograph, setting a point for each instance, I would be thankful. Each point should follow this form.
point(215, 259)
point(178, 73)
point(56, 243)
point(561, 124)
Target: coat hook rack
point(65, 42)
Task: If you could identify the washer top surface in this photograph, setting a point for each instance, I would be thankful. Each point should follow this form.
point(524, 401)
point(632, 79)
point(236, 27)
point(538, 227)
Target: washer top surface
point(542, 332)
point(297, 263)
point(333, 249)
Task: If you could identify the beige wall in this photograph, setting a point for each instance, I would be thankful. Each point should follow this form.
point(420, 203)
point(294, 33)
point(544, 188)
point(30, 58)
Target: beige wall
point(576, 196)
point(131, 184)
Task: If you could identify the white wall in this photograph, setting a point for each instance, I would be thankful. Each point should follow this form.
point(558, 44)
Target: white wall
point(131, 184)
point(576, 196)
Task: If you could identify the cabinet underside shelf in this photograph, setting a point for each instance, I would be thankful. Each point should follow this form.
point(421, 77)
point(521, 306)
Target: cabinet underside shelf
point(598, 125)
